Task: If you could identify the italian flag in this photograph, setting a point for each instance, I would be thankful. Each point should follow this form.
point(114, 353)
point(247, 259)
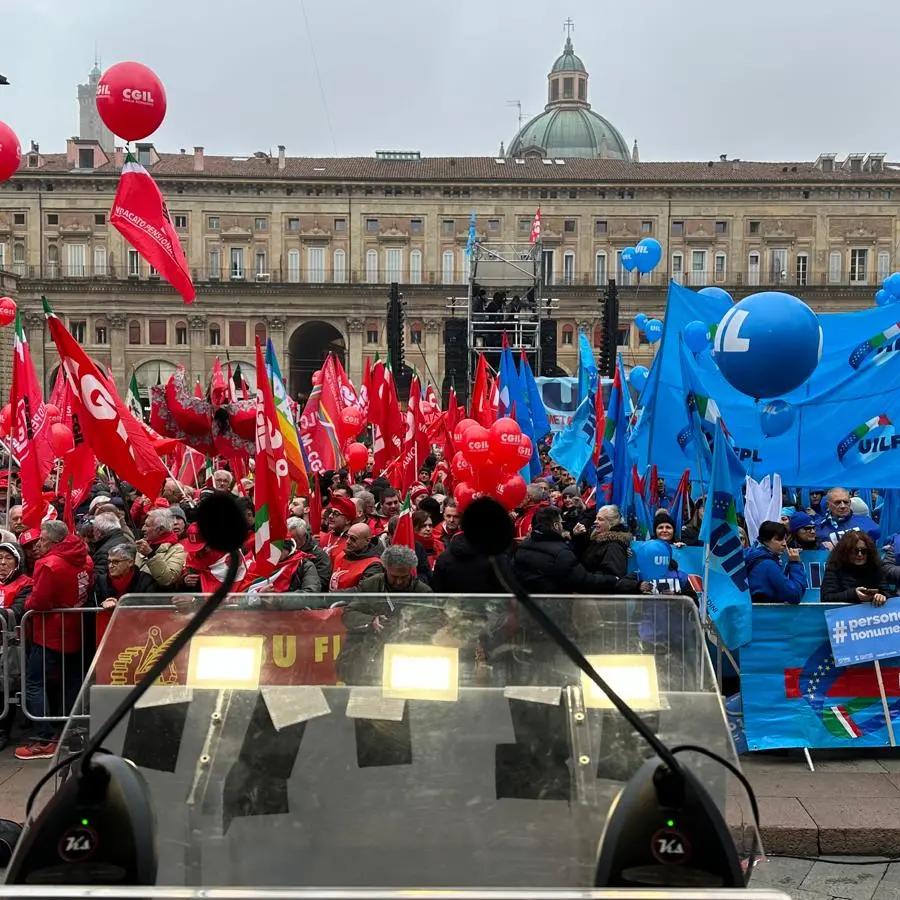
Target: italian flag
point(133, 398)
point(843, 718)
point(404, 534)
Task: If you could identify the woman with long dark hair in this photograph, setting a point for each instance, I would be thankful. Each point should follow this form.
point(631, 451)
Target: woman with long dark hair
point(855, 573)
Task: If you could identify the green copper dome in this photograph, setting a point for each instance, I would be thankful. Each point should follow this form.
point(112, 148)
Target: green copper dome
point(568, 62)
point(569, 132)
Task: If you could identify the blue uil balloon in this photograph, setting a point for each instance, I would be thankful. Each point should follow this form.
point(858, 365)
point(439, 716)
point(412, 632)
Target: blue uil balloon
point(653, 558)
point(716, 292)
point(637, 377)
point(654, 330)
point(696, 336)
point(883, 297)
point(648, 253)
point(768, 344)
point(629, 259)
point(641, 320)
point(776, 417)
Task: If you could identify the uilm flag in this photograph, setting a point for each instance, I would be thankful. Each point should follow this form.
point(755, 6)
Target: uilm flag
point(140, 215)
point(116, 437)
point(29, 431)
point(270, 493)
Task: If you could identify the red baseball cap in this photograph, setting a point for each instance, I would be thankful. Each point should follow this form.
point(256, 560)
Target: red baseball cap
point(29, 536)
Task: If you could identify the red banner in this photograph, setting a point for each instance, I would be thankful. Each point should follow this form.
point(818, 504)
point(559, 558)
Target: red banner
point(300, 647)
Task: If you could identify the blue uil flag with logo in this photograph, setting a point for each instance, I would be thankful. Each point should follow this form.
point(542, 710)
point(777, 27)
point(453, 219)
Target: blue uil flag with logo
point(727, 596)
point(795, 695)
point(847, 414)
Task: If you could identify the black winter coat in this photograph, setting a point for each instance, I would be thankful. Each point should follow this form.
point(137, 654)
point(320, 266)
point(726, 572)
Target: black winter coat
point(461, 569)
point(839, 583)
point(545, 564)
point(100, 554)
point(607, 553)
point(141, 583)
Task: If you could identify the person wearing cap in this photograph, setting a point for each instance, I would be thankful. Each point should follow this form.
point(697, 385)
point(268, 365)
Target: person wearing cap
point(28, 541)
point(802, 532)
point(15, 588)
point(180, 520)
point(664, 528)
point(342, 513)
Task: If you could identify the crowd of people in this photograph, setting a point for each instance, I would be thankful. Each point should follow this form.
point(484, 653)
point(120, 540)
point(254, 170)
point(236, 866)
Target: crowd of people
point(565, 544)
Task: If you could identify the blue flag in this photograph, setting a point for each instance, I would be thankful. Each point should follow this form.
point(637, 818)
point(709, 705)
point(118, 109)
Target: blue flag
point(573, 447)
point(514, 402)
point(539, 419)
point(470, 241)
point(587, 368)
point(728, 599)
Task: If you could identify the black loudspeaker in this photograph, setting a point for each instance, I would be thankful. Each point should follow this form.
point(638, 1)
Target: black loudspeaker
point(456, 360)
point(549, 338)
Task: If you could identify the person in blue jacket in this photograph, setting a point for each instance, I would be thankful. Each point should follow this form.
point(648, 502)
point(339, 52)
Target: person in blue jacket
point(769, 581)
point(839, 518)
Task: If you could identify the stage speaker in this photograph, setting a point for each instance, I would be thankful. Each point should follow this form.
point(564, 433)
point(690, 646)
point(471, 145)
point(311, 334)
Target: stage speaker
point(456, 360)
point(549, 338)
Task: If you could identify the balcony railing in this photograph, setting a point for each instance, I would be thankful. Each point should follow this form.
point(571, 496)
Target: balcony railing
point(591, 281)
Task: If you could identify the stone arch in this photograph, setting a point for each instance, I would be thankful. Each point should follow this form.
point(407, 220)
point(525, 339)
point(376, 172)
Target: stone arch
point(308, 346)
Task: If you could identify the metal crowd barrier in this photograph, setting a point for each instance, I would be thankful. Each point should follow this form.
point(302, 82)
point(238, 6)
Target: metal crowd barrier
point(60, 688)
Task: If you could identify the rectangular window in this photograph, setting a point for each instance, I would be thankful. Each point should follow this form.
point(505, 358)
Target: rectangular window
point(646, 227)
point(340, 267)
point(699, 274)
point(158, 334)
point(215, 336)
point(372, 266)
point(678, 228)
point(859, 260)
point(600, 269)
point(802, 269)
point(371, 336)
point(393, 265)
point(547, 273)
point(52, 219)
point(569, 268)
point(260, 224)
point(570, 226)
point(237, 263)
point(18, 218)
point(753, 269)
point(75, 260)
point(623, 336)
point(884, 265)
point(181, 335)
point(215, 263)
point(134, 263)
point(524, 226)
point(85, 158)
point(678, 268)
point(720, 268)
point(623, 276)
point(180, 221)
point(237, 334)
point(415, 226)
point(415, 335)
point(778, 266)
point(144, 156)
point(448, 227)
point(99, 261)
point(601, 227)
point(260, 263)
point(100, 219)
point(78, 327)
point(582, 89)
point(101, 335)
point(568, 88)
point(372, 226)
point(213, 224)
point(340, 225)
point(415, 267)
point(293, 224)
point(721, 228)
point(834, 267)
point(754, 227)
point(315, 265)
point(448, 267)
point(293, 261)
point(154, 273)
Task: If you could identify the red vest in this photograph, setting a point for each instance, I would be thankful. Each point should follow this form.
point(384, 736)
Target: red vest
point(346, 573)
point(8, 591)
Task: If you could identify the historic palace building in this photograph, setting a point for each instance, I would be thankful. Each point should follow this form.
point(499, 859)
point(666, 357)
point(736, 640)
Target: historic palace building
point(302, 250)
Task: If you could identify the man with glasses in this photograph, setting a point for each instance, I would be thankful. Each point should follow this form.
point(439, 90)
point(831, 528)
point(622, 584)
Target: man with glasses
point(839, 518)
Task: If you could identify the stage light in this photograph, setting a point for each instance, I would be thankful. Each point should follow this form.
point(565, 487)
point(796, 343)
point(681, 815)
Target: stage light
point(225, 662)
point(631, 675)
point(421, 672)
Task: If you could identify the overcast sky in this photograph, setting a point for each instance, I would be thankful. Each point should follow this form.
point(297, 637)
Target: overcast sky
point(690, 79)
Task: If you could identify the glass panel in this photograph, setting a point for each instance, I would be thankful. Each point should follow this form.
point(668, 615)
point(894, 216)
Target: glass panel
point(753, 269)
point(340, 267)
point(372, 266)
point(293, 273)
point(415, 267)
point(393, 265)
point(316, 265)
point(448, 276)
point(600, 268)
point(699, 275)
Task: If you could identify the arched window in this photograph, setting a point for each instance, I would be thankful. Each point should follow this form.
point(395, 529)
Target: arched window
point(415, 332)
point(101, 332)
point(181, 334)
point(19, 259)
point(372, 332)
point(372, 266)
point(134, 332)
point(340, 267)
point(568, 336)
point(415, 267)
point(260, 332)
point(52, 261)
point(215, 334)
point(448, 264)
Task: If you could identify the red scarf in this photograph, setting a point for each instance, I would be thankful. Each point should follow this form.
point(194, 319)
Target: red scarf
point(120, 583)
point(168, 538)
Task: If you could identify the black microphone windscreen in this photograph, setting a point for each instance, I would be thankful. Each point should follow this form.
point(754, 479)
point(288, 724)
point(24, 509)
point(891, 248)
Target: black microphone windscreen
point(222, 522)
point(488, 526)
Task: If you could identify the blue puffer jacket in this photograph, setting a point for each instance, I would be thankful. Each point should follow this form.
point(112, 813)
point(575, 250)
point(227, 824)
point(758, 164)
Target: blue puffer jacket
point(769, 581)
point(830, 529)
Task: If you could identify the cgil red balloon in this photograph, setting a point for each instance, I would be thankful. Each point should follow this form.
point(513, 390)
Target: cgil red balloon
point(476, 444)
point(7, 309)
point(317, 377)
point(524, 451)
point(461, 468)
point(52, 413)
point(464, 494)
point(131, 100)
point(505, 440)
point(511, 493)
point(61, 439)
point(460, 430)
point(5, 420)
point(357, 457)
point(10, 152)
point(351, 422)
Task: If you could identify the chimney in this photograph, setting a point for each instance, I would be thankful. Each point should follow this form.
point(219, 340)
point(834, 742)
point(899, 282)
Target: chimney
point(280, 157)
point(119, 157)
point(198, 159)
point(71, 152)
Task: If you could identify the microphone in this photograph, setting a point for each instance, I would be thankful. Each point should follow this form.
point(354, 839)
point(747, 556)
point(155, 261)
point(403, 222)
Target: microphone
point(99, 828)
point(664, 829)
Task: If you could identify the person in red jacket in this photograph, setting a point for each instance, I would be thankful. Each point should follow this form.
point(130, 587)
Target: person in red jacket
point(15, 586)
point(63, 578)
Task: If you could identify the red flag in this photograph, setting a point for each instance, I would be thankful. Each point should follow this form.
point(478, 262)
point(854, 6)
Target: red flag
point(536, 227)
point(453, 415)
point(480, 406)
point(198, 390)
point(384, 415)
point(365, 391)
point(318, 424)
point(140, 215)
point(600, 416)
point(271, 483)
point(116, 437)
point(218, 388)
point(408, 464)
point(347, 392)
point(29, 431)
point(79, 464)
